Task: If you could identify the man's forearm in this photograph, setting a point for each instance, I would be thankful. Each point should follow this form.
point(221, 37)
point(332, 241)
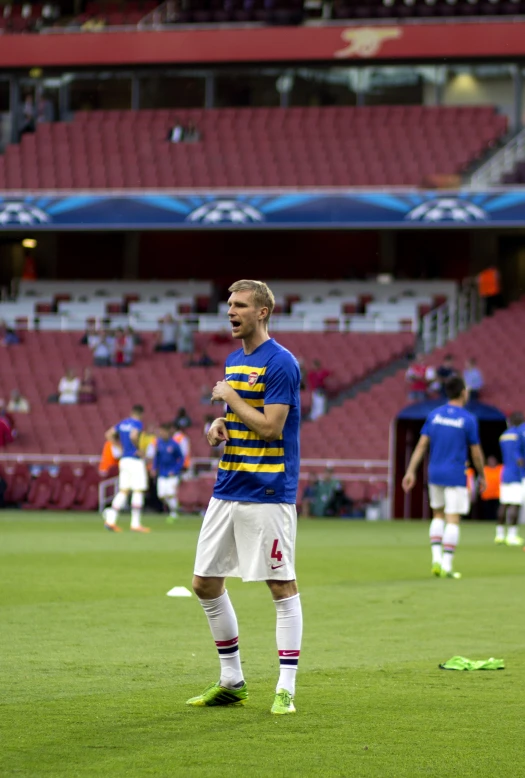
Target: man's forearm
point(416, 458)
point(478, 461)
point(254, 419)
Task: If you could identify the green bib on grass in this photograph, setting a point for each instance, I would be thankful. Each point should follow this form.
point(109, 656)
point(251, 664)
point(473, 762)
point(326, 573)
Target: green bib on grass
point(462, 663)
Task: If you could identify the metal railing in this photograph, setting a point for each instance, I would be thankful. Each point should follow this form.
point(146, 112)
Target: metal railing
point(446, 322)
point(503, 161)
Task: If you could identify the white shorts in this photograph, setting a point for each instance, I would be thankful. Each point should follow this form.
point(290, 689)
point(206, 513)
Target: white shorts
point(132, 475)
point(511, 494)
point(453, 499)
point(248, 540)
point(167, 486)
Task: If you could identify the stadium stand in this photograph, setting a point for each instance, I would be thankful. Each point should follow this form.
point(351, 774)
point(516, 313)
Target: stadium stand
point(335, 146)
point(35, 17)
point(160, 381)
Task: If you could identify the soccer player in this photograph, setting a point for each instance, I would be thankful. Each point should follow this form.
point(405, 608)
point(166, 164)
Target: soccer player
point(451, 432)
point(133, 476)
point(167, 464)
point(511, 488)
point(250, 526)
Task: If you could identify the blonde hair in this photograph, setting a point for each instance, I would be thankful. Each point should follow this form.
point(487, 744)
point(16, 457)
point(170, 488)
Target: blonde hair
point(262, 294)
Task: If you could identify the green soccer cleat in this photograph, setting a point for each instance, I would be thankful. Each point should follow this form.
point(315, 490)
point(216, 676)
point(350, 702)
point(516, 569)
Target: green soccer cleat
point(283, 703)
point(517, 541)
point(436, 569)
point(499, 541)
point(215, 694)
point(443, 574)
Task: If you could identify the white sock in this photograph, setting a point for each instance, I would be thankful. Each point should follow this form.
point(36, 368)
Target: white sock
point(136, 516)
point(450, 541)
point(512, 532)
point(500, 531)
point(289, 632)
point(111, 514)
point(437, 527)
point(172, 504)
point(225, 632)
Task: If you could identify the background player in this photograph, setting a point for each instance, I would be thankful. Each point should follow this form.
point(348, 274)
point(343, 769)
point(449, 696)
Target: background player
point(250, 526)
point(511, 488)
point(168, 461)
point(133, 476)
point(450, 431)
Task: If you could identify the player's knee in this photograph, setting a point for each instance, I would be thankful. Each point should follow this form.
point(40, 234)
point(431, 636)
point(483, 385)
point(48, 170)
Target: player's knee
point(282, 589)
point(207, 588)
point(137, 500)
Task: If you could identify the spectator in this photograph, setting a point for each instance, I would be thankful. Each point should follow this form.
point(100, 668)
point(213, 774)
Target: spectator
point(182, 421)
point(27, 115)
point(18, 403)
point(90, 337)
point(445, 371)
point(309, 495)
point(68, 388)
point(102, 351)
point(123, 349)
point(326, 489)
point(202, 360)
point(88, 388)
point(489, 289)
point(5, 434)
point(417, 379)
point(490, 495)
point(8, 337)
point(137, 339)
point(185, 337)
point(176, 133)
point(6, 417)
point(318, 404)
point(191, 134)
point(205, 395)
point(167, 334)
point(316, 378)
point(473, 378)
point(110, 456)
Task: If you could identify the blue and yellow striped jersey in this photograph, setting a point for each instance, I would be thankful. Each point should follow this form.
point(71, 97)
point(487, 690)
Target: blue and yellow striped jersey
point(252, 470)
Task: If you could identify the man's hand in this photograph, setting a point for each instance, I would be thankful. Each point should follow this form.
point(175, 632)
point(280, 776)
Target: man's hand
point(408, 482)
point(217, 432)
point(221, 391)
point(482, 483)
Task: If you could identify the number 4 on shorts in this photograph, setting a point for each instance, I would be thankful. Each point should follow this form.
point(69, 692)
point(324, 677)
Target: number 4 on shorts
point(276, 554)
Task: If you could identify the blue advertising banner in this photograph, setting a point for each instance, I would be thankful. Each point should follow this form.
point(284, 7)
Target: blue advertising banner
point(270, 209)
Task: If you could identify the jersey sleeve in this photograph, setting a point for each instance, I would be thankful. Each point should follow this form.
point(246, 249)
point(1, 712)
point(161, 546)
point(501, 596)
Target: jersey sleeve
point(281, 380)
point(472, 432)
point(425, 429)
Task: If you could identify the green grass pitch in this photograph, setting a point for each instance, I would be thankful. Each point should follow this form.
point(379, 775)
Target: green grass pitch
point(96, 662)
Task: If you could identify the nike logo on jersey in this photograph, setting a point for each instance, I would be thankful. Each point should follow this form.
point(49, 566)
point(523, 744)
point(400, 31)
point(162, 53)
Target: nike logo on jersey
point(276, 567)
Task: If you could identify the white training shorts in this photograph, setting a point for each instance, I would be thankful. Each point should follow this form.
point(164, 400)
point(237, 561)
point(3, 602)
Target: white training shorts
point(248, 540)
point(132, 475)
point(167, 486)
point(511, 494)
point(450, 499)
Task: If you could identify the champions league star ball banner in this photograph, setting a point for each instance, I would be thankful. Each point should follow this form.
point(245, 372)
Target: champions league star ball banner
point(264, 209)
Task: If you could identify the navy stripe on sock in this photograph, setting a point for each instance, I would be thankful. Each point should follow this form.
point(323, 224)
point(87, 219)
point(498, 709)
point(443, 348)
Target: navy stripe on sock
point(231, 650)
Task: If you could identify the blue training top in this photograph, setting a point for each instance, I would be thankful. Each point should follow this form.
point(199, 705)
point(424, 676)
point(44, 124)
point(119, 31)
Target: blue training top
point(124, 429)
point(511, 454)
point(452, 430)
point(168, 459)
point(252, 470)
